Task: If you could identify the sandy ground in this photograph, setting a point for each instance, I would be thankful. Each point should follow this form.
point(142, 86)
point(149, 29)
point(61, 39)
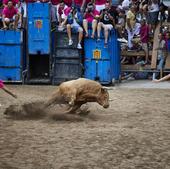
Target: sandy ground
point(134, 133)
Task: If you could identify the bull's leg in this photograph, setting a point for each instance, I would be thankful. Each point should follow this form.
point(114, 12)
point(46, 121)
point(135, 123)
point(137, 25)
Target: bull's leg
point(72, 110)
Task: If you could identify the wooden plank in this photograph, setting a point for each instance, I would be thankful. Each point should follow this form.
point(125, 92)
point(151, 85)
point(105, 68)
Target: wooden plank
point(167, 63)
point(134, 53)
point(155, 46)
point(135, 67)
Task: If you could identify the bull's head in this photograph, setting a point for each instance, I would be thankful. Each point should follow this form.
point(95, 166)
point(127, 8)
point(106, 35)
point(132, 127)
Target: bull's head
point(103, 99)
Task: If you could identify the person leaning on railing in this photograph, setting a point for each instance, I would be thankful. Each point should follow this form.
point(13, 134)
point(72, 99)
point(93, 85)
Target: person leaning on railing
point(4, 88)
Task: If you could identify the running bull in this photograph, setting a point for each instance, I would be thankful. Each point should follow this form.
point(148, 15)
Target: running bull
point(78, 92)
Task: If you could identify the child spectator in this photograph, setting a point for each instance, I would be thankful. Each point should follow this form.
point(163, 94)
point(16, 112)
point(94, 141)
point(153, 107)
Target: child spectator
point(144, 37)
point(162, 52)
point(90, 19)
point(72, 21)
point(132, 27)
point(107, 22)
point(10, 16)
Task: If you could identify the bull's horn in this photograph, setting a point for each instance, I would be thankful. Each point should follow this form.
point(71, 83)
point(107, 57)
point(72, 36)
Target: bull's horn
point(107, 88)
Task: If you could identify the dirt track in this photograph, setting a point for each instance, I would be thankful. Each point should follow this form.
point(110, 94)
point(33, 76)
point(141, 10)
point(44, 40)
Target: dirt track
point(134, 133)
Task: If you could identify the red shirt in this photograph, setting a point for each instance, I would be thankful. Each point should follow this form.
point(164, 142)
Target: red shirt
point(1, 84)
point(9, 12)
point(100, 2)
point(14, 2)
point(55, 2)
point(144, 33)
point(89, 17)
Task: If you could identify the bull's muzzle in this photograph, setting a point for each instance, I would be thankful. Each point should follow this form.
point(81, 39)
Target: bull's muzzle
point(106, 106)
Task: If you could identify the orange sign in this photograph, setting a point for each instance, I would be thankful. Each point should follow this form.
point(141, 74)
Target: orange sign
point(38, 24)
point(96, 54)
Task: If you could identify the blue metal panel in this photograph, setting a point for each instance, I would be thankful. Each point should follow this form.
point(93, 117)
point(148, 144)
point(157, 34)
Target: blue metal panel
point(104, 71)
point(115, 59)
point(39, 39)
point(10, 74)
point(107, 63)
point(89, 46)
point(11, 37)
point(10, 55)
point(90, 69)
point(36, 10)
point(98, 70)
point(39, 28)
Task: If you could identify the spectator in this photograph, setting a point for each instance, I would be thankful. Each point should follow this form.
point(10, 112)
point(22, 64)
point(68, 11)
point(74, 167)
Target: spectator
point(90, 19)
point(62, 12)
point(79, 4)
point(121, 25)
point(73, 24)
point(100, 4)
point(11, 16)
point(167, 77)
point(54, 4)
point(3, 87)
point(1, 9)
point(107, 22)
point(162, 52)
point(20, 9)
point(125, 5)
point(153, 11)
point(167, 40)
point(15, 2)
point(132, 27)
point(144, 37)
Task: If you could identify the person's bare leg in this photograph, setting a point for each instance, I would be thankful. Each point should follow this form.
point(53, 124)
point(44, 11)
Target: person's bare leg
point(16, 21)
point(94, 26)
point(80, 35)
point(85, 26)
point(167, 77)
point(106, 34)
point(99, 27)
point(69, 31)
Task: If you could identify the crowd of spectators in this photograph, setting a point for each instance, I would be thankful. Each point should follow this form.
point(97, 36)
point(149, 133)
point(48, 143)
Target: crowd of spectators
point(133, 19)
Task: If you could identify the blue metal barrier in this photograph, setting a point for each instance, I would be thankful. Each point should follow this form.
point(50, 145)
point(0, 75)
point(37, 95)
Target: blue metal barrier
point(102, 64)
point(39, 28)
point(11, 55)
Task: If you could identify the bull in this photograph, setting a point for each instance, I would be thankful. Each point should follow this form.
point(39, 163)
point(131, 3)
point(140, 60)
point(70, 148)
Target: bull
point(75, 93)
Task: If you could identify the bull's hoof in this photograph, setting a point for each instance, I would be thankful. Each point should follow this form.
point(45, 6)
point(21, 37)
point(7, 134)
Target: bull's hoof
point(84, 112)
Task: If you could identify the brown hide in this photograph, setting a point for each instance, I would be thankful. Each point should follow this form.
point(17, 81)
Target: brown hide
point(80, 91)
